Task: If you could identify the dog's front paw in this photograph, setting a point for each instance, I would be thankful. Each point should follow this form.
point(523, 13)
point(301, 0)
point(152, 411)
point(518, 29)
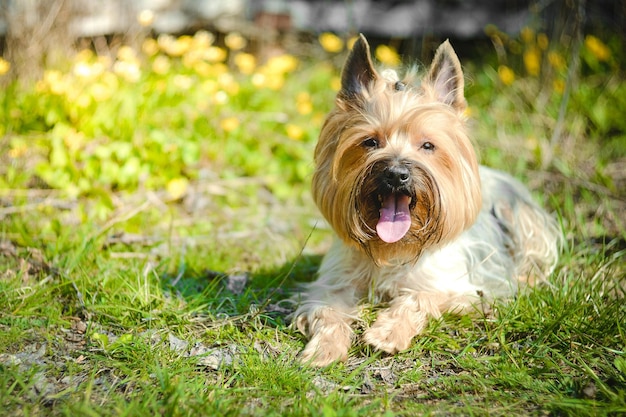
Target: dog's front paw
point(322, 351)
point(330, 333)
point(389, 335)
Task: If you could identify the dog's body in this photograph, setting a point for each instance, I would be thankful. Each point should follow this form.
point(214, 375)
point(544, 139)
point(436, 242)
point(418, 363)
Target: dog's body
point(420, 225)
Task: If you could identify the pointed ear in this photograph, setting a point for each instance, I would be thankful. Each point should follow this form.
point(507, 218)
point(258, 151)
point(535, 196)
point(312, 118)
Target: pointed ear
point(358, 71)
point(446, 77)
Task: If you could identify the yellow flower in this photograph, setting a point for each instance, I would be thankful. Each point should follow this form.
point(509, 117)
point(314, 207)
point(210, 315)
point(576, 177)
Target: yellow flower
point(305, 107)
point(221, 97)
point(86, 70)
point(228, 83)
point(174, 46)
point(506, 75)
point(150, 47)
point(274, 81)
point(177, 187)
point(202, 40)
point(387, 55)
point(234, 41)
point(209, 87)
point(335, 84)
point(128, 70)
point(184, 43)
point(229, 124)
point(532, 60)
point(597, 48)
point(5, 66)
point(303, 103)
point(126, 53)
point(55, 81)
point(294, 132)
point(145, 17)
point(281, 64)
point(331, 42)
point(203, 68)
point(165, 41)
point(192, 57)
point(215, 54)
point(527, 35)
point(559, 86)
point(161, 65)
point(258, 80)
point(556, 60)
point(84, 55)
point(272, 74)
point(246, 63)
point(219, 68)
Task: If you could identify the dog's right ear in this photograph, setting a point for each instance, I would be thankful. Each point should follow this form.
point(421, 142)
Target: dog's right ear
point(358, 71)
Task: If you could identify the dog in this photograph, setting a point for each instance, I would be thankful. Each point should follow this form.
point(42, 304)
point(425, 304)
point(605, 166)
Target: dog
point(420, 226)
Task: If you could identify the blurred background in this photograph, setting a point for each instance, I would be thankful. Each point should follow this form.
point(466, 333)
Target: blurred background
point(209, 110)
point(32, 30)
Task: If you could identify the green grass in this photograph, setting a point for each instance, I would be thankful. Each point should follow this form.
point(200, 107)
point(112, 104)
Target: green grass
point(120, 265)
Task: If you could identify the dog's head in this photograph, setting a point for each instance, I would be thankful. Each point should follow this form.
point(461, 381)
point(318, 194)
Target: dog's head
point(395, 170)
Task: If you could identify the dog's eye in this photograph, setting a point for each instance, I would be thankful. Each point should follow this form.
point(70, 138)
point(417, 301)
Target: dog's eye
point(428, 146)
point(371, 143)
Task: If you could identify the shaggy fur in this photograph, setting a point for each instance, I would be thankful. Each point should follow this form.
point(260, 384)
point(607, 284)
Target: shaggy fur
point(420, 225)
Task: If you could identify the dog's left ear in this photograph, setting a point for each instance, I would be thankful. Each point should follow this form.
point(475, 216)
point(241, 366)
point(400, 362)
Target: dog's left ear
point(446, 77)
point(358, 71)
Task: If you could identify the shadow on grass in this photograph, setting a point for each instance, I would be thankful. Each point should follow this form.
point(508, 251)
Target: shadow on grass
point(265, 292)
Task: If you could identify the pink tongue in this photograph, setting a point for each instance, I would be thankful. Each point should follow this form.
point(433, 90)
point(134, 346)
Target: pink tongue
point(395, 218)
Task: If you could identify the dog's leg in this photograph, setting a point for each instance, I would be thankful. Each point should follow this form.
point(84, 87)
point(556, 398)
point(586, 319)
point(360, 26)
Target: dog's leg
point(330, 335)
point(328, 306)
point(325, 318)
point(405, 318)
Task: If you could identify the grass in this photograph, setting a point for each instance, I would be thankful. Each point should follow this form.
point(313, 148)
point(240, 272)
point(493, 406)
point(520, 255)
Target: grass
point(151, 279)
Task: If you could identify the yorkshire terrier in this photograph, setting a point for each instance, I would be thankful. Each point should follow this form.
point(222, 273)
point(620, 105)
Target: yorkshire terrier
point(420, 226)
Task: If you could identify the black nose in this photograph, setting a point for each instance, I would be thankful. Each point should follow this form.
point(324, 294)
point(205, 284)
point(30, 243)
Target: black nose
point(397, 175)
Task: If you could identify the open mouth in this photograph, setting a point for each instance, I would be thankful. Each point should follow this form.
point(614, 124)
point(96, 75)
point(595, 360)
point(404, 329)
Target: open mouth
point(395, 216)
